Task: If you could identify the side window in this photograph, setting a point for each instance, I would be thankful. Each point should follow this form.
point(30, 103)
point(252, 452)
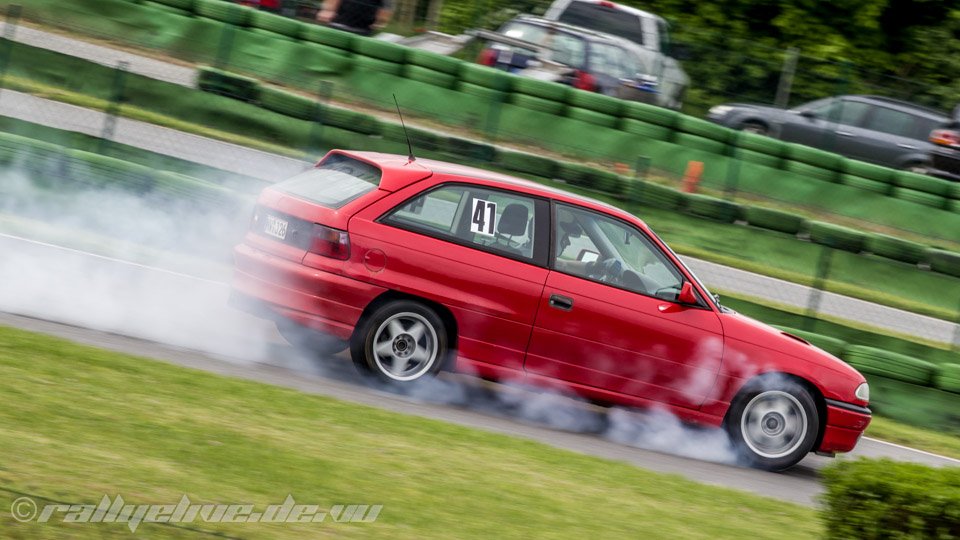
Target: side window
point(600, 248)
point(435, 211)
point(892, 121)
point(488, 219)
point(851, 113)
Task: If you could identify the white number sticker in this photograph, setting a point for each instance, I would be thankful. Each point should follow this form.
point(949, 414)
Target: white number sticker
point(484, 217)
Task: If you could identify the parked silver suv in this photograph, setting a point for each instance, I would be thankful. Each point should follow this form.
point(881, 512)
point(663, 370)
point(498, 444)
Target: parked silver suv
point(649, 31)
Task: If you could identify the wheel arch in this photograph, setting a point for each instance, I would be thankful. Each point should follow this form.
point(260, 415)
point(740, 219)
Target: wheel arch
point(442, 311)
point(815, 393)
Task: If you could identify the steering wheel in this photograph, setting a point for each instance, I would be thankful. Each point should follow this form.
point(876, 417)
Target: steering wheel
point(608, 270)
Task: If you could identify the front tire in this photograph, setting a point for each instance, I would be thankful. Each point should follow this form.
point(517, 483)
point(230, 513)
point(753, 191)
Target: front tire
point(773, 424)
point(751, 126)
point(400, 342)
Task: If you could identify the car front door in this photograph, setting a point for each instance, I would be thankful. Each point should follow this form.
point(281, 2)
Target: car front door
point(478, 250)
point(609, 319)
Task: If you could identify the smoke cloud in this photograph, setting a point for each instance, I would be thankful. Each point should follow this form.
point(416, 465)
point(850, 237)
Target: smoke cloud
point(161, 273)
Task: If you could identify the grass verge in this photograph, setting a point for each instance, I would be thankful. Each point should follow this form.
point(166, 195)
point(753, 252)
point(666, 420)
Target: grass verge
point(81, 422)
point(941, 443)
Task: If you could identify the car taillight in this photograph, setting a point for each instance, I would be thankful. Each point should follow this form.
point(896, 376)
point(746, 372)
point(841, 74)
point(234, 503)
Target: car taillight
point(608, 5)
point(945, 137)
point(330, 242)
point(585, 81)
point(488, 57)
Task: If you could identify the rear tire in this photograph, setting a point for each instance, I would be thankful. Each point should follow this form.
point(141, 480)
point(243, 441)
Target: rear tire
point(402, 342)
point(308, 340)
point(751, 126)
point(773, 424)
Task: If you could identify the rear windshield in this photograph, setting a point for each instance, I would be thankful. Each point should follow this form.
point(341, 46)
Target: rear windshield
point(565, 48)
point(602, 18)
point(334, 183)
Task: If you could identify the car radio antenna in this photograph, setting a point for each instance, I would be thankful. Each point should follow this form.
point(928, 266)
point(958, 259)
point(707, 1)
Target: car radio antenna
point(405, 134)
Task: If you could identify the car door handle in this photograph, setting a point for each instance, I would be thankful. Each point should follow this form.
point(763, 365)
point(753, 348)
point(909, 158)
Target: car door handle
point(562, 303)
point(907, 146)
point(845, 133)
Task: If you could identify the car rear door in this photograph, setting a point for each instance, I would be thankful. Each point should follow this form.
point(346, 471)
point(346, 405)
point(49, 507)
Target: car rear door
point(627, 335)
point(477, 249)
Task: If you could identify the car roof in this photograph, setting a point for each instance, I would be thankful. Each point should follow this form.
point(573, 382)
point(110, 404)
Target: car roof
point(592, 35)
point(898, 102)
point(392, 164)
point(629, 9)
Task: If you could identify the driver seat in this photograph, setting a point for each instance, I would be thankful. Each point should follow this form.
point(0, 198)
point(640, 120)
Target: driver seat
point(513, 222)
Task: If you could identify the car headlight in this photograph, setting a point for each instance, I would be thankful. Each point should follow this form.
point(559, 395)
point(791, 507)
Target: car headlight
point(720, 110)
point(863, 392)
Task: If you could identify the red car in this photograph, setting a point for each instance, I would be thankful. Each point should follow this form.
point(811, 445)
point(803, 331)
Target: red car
point(419, 265)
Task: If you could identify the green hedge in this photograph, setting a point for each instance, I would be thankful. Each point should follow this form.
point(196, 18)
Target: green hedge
point(836, 236)
point(278, 24)
point(328, 36)
point(948, 378)
point(288, 103)
point(98, 171)
point(655, 195)
point(596, 102)
point(829, 344)
point(920, 197)
point(713, 208)
point(227, 12)
point(421, 139)
point(867, 170)
point(866, 184)
point(527, 163)
point(885, 499)
point(891, 365)
point(774, 220)
point(943, 261)
point(922, 182)
point(224, 83)
point(895, 248)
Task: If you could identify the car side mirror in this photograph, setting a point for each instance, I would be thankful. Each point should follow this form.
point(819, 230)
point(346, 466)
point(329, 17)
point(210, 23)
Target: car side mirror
point(588, 256)
point(687, 296)
point(809, 115)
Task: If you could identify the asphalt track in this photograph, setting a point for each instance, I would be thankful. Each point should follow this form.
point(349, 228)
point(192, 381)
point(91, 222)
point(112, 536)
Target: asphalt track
point(185, 320)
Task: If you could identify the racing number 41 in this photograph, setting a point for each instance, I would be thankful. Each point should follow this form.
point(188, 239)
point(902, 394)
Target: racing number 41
point(484, 217)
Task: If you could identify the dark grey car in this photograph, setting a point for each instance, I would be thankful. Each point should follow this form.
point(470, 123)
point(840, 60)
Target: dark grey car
point(869, 128)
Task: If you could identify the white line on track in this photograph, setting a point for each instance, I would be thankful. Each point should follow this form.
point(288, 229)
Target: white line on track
point(113, 259)
point(907, 448)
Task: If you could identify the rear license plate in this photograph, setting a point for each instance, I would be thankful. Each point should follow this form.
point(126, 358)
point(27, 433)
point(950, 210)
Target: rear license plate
point(275, 227)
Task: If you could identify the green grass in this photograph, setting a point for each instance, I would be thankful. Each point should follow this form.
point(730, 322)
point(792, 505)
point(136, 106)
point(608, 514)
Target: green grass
point(945, 444)
point(80, 422)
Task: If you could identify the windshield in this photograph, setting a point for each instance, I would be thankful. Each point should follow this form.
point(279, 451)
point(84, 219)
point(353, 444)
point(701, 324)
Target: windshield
point(613, 61)
point(603, 18)
point(335, 182)
point(567, 49)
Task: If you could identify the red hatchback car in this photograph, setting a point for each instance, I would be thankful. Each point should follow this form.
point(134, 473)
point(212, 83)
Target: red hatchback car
point(419, 266)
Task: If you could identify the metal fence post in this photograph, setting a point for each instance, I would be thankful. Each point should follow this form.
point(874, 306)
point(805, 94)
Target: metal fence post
point(733, 169)
point(492, 124)
point(956, 332)
point(225, 47)
point(819, 283)
point(113, 108)
point(786, 77)
point(6, 46)
point(639, 183)
point(315, 138)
